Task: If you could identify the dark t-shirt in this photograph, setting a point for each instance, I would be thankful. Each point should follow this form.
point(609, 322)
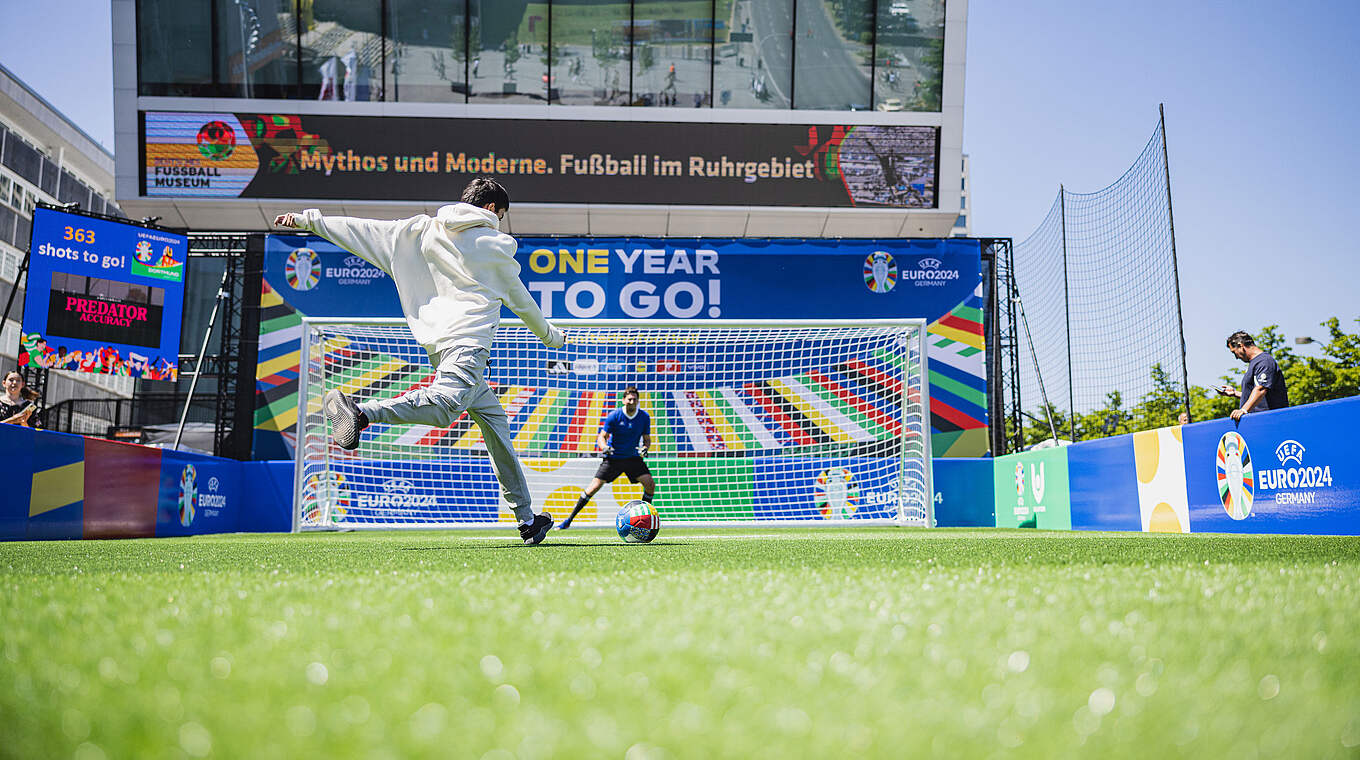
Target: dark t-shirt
point(1263, 371)
point(8, 410)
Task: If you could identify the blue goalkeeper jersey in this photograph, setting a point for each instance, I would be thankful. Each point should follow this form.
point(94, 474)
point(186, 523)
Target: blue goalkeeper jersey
point(624, 432)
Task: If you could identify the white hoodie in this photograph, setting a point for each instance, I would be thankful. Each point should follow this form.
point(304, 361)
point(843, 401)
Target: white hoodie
point(453, 271)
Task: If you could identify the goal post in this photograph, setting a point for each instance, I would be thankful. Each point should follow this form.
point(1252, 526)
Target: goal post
point(777, 422)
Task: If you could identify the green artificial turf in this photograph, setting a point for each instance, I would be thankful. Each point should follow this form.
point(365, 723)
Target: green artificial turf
point(738, 643)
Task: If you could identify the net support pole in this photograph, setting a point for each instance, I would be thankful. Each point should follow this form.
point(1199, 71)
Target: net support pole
point(1175, 265)
point(202, 350)
point(1067, 311)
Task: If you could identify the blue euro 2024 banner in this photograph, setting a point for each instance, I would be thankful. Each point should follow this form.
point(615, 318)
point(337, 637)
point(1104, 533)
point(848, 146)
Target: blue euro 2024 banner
point(1288, 471)
point(620, 278)
point(103, 296)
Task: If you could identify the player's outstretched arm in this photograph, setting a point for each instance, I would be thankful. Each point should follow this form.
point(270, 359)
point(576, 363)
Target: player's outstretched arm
point(373, 240)
point(526, 308)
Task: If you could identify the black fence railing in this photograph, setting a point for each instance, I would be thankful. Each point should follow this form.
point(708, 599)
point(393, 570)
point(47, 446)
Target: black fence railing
point(123, 418)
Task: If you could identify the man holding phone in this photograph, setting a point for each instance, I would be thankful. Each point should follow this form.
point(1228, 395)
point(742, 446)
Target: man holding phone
point(1262, 384)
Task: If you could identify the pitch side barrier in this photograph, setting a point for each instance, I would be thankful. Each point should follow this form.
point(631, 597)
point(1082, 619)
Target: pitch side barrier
point(1287, 471)
point(63, 486)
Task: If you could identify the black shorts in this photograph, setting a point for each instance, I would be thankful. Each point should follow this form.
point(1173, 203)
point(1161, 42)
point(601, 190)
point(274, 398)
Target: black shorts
point(612, 467)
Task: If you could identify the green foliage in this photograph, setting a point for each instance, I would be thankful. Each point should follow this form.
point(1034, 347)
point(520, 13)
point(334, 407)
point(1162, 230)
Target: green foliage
point(1332, 375)
point(929, 89)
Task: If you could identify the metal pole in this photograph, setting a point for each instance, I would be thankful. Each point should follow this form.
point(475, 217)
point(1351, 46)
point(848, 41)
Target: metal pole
point(202, 349)
point(1067, 310)
point(1175, 266)
point(1034, 357)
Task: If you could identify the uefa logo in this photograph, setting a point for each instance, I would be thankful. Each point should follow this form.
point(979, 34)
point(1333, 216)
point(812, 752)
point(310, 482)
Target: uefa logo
point(1235, 475)
point(188, 495)
point(144, 252)
point(880, 272)
point(835, 493)
point(303, 269)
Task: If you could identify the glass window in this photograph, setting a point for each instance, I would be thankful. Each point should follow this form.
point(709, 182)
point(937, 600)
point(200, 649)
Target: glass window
point(23, 158)
point(7, 219)
point(50, 176)
point(672, 53)
point(73, 190)
point(509, 58)
point(342, 49)
point(427, 47)
point(591, 49)
point(910, 55)
point(257, 48)
point(23, 228)
point(753, 67)
point(174, 47)
point(833, 44)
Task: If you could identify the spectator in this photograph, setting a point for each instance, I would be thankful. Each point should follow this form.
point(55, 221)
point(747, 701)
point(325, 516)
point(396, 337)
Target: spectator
point(1183, 419)
point(1262, 383)
point(18, 402)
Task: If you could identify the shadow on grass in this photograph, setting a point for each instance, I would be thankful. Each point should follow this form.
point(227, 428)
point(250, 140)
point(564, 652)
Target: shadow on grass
point(544, 547)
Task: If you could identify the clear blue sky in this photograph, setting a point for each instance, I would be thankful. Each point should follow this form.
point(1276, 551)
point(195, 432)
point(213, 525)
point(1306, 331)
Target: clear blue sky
point(1261, 112)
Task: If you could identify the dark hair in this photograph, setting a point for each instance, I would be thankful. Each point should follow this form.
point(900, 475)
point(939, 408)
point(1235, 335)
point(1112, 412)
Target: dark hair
point(630, 389)
point(1240, 339)
point(25, 392)
point(483, 190)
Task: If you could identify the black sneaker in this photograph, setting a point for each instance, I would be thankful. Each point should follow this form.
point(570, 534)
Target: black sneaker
point(534, 532)
point(345, 418)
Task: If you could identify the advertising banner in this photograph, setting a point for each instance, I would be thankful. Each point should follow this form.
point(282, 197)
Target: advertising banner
point(1286, 471)
point(1104, 491)
point(936, 280)
point(198, 495)
point(103, 297)
point(1032, 490)
point(250, 155)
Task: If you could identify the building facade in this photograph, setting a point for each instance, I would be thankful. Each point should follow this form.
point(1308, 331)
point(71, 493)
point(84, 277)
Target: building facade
point(788, 118)
point(962, 225)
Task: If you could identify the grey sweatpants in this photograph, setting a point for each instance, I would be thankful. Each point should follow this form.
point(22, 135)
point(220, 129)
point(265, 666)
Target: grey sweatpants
point(460, 386)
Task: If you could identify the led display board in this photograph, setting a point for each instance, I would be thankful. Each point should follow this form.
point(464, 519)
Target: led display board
point(103, 296)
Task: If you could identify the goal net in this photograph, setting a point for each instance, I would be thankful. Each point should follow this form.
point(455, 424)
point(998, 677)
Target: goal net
point(752, 423)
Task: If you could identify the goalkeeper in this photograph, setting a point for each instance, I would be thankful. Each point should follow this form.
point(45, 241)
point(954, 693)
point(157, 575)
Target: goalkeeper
point(619, 436)
point(453, 271)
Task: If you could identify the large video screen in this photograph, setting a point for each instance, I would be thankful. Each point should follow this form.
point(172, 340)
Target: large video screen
point(104, 297)
point(391, 158)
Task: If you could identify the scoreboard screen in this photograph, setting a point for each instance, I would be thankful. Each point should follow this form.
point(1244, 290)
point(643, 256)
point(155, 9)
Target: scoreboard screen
point(103, 296)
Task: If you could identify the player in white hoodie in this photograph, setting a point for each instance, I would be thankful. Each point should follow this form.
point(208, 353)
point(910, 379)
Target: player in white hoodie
point(452, 271)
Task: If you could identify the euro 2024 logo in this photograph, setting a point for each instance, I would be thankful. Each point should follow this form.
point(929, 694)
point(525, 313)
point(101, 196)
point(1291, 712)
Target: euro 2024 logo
point(835, 493)
point(302, 270)
point(1235, 482)
point(188, 495)
point(880, 272)
point(1297, 484)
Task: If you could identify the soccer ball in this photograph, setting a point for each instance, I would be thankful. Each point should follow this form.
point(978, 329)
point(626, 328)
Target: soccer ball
point(637, 522)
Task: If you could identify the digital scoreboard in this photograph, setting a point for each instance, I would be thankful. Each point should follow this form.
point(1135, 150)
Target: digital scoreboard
point(103, 296)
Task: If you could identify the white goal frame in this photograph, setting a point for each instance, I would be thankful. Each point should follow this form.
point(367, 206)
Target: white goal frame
point(310, 404)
